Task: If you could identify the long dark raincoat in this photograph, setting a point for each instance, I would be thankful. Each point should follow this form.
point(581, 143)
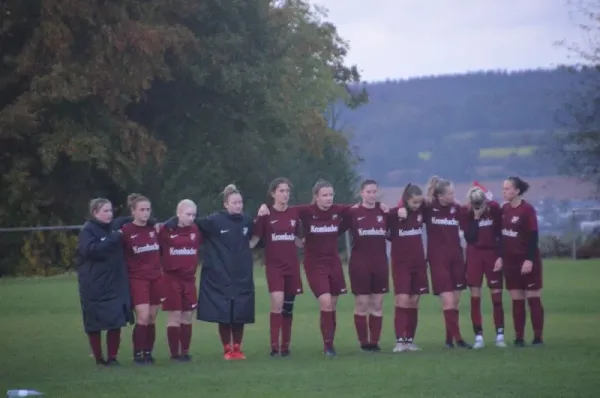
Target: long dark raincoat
point(102, 277)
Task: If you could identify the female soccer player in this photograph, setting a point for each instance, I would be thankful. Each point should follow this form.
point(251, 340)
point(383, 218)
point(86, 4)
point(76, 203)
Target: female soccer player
point(521, 261)
point(226, 293)
point(179, 248)
point(443, 217)
point(482, 232)
point(103, 285)
point(368, 265)
point(142, 256)
point(279, 233)
point(409, 267)
point(321, 222)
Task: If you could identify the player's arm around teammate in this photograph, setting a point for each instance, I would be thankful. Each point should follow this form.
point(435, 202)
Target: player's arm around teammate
point(179, 250)
point(521, 260)
point(226, 294)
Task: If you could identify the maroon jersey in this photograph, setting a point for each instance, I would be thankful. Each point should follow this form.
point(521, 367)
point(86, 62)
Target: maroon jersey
point(142, 251)
point(490, 225)
point(368, 228)
point(443, 224)
point(407, 239)
point(321, 228)
point(278, 231)
point(517, 225)
point(179, 249)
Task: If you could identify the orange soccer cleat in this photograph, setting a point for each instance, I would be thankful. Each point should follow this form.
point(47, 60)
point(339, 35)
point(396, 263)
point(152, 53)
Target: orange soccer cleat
point(237, 352)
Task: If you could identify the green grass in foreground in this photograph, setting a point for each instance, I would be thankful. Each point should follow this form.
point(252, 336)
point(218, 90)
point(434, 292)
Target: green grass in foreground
point(43, 347)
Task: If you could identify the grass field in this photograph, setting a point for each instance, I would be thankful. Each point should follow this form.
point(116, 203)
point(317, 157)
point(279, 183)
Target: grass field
point(43, 347)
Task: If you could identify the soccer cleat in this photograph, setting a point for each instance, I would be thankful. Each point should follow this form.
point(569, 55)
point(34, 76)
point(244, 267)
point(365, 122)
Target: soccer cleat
point(463, 344)
point(478, 342)
point(330, 352)
point(237, 353)
point(227, 352)
point(412, 347)
point(138, 359)
point(366, 348)
point(112, 362)
point(274, 353)
point(148, 358)
point(500, 341)
point(537, 343)
point(400, 346)
point(375, 347)
point(449, 344)
point(285, 353)
point(185, 358)
point(519, 343)
point(100, 362)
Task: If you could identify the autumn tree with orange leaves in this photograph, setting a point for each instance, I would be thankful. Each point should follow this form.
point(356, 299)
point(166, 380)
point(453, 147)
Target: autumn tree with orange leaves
point(169, 98)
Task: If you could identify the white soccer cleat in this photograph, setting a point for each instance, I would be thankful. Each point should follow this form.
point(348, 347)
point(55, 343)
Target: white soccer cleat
point(478, 343)
point(500, 341)
point(413, 347)
point(400, 347)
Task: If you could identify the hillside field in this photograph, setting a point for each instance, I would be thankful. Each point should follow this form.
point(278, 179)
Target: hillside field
point(43, 347)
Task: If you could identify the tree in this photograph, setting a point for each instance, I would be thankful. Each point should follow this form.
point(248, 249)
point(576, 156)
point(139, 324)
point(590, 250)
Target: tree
point(579, 143)
point(170, 98)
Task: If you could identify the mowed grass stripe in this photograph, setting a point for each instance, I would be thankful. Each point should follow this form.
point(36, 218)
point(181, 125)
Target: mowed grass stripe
point(43, 347)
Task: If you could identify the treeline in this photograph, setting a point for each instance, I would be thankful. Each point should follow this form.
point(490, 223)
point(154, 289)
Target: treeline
point(451, 124)
point(173, 99)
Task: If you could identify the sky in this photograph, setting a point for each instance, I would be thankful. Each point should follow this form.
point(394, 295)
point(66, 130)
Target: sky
point(407, 38)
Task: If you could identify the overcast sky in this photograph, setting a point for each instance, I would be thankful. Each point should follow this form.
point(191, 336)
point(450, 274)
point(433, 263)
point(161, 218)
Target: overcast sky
point(405, 38)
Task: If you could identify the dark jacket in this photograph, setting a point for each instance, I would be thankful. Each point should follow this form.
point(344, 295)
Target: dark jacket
point(102, 277)
point(226, 292)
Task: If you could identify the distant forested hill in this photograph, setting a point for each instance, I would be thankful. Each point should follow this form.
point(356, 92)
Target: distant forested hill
point(478, 125)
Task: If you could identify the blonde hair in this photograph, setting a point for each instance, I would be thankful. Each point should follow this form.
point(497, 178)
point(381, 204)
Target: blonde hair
point(228, 191)
point(134, 199)
point(318, 186)
point(476, 195)
point(96, 204)
point(183, 204)
point(437, 186)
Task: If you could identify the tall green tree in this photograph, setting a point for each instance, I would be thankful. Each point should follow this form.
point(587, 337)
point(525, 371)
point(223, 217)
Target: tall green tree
point(170, 98)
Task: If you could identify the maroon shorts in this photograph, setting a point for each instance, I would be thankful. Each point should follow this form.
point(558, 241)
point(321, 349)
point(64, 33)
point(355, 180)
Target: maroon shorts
point(447, 275)
point(326, 278)
point(366, 280)
point(284, 280)
point(481, 262)
point(517, 281)
point(146, 291)
point(179, 292)
point(410, 280)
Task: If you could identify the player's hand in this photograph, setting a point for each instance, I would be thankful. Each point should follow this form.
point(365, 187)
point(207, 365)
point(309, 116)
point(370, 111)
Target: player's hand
point(384, 208)
point(402, 213)
point(263, 210)
point(498, 265)
point(527, 266)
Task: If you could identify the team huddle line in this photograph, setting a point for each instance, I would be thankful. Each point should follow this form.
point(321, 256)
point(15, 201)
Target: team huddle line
point(130, 266)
